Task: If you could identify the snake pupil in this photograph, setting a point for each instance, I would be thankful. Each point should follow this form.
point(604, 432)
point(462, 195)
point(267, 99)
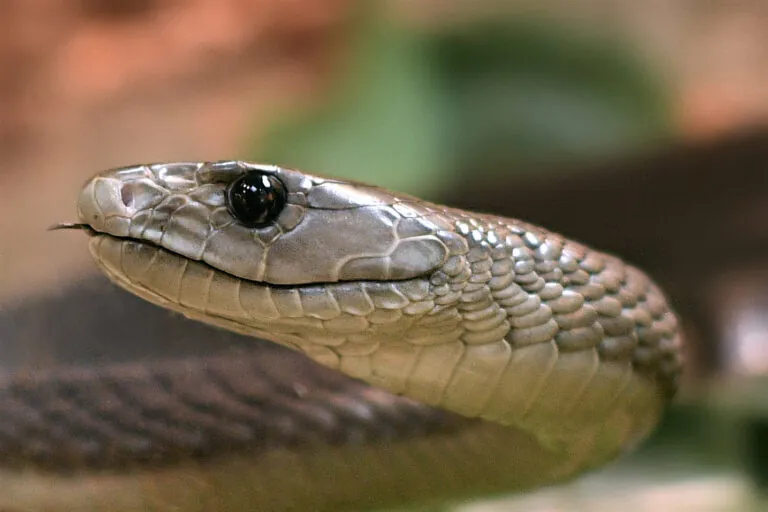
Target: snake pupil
point(256, 198)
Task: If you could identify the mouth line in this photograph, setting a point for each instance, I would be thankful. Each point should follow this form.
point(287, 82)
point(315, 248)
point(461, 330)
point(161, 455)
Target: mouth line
point(75, 226)
point(292, 286)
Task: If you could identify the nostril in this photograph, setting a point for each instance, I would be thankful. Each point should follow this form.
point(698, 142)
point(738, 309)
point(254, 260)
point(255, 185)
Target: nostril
point(136, 195)
point(127, 195)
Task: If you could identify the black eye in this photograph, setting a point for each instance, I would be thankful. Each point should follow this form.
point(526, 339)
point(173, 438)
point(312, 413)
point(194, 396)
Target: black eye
point(256, 199)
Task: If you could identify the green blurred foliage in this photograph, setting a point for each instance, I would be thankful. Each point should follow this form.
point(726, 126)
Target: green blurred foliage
point(412, 110)
point(525, 93)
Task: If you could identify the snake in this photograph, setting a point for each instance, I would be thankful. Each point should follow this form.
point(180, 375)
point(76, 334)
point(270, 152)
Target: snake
point(429, 354)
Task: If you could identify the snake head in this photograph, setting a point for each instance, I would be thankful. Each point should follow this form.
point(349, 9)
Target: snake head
point(279, 226)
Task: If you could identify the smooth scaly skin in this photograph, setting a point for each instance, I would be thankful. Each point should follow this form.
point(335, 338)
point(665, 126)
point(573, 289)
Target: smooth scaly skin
point(567, 355)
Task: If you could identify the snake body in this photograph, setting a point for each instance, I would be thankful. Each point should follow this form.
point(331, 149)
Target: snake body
point(524, 358)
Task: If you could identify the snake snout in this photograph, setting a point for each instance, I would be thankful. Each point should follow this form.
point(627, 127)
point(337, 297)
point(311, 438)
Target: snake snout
point(102, 207)
point(109, 201)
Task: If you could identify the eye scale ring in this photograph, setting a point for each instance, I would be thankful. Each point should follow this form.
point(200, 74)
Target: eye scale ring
point(256, 198)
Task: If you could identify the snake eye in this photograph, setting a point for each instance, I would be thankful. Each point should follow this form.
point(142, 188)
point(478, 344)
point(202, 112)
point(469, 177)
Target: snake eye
point(256, 198)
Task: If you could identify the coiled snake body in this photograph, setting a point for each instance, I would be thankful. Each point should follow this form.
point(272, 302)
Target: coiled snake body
point(549, 357)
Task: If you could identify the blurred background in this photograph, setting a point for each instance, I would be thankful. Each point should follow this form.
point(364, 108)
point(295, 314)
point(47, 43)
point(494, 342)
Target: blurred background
point(638, 127)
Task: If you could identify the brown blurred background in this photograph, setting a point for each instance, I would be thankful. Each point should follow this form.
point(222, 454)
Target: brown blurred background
point(638, 127)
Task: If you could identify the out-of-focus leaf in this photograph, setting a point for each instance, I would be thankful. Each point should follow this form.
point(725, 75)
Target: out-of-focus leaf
point(524, 93)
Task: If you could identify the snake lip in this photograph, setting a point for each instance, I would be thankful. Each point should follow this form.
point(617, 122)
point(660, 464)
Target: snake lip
point(60, 226)
point(285, 286)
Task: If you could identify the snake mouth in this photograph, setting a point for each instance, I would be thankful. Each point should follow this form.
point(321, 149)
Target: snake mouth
point(140, 245)
point(77, 226)
point(307, 318)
